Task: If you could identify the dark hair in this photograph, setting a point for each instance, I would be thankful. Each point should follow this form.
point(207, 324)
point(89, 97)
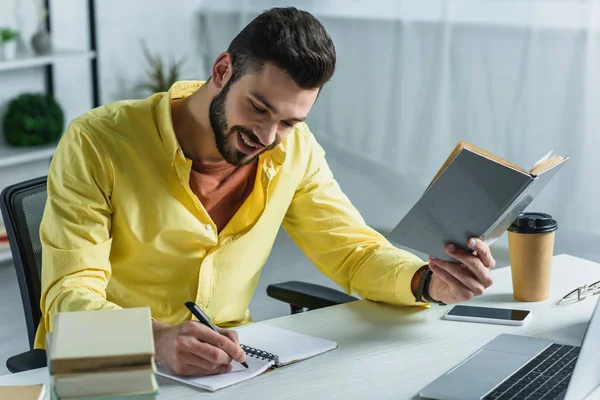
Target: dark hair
point(291, 39)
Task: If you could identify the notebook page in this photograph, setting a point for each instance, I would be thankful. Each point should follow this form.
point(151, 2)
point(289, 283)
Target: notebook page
point(288, 345)
point(216, 382)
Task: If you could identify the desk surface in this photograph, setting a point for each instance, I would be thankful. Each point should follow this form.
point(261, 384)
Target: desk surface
point(390, 352)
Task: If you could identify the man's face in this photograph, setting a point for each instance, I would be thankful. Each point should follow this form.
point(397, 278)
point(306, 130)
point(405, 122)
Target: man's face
point(256, 113)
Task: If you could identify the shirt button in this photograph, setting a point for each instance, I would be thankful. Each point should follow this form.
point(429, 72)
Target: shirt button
point(171, 157)
point(208, 227)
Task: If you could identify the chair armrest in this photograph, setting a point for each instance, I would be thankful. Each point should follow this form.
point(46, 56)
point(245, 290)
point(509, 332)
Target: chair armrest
point(307, 295)
point(31, 359)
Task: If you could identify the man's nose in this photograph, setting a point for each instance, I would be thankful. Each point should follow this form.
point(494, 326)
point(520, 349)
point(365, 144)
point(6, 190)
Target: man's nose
point(266, 133)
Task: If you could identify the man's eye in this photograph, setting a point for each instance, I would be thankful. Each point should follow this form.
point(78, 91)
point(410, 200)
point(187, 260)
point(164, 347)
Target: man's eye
point(288, 124)
point(257, 109)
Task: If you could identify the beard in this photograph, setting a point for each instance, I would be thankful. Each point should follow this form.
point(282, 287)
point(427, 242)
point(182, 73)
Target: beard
point(218, 122)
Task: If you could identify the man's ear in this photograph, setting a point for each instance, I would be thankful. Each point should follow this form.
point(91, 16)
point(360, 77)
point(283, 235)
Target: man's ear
point(222, 69)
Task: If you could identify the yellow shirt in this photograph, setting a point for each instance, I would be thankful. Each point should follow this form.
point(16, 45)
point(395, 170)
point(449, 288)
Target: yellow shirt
point(122, 228)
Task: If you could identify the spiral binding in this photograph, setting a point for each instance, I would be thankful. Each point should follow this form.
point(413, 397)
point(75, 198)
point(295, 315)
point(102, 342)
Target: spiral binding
point(260, 354)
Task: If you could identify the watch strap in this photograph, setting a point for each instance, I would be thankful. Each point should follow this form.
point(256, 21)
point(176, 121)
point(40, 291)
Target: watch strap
point(426, 284)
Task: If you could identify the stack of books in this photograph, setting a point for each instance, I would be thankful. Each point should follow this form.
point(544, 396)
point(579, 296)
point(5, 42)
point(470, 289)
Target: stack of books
point(105, 353)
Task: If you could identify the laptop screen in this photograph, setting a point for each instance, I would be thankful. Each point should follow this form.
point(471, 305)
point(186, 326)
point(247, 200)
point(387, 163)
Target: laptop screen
point(586, 376)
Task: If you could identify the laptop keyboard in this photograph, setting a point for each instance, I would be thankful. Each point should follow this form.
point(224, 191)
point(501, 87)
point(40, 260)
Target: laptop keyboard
point(544, 377)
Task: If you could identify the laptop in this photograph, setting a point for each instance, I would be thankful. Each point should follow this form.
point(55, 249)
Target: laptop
point(521, 367)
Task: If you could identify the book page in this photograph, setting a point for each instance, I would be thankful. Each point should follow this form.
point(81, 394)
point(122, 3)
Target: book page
point(215, 382)
point(547, 156)
point(542, 166)
point(289, 346)
point(462, 145)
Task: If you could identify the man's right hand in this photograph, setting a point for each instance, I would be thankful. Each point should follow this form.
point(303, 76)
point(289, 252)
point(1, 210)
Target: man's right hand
point(192, 349)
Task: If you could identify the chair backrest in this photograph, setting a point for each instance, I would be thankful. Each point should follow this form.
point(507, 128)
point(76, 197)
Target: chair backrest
point(22, 206)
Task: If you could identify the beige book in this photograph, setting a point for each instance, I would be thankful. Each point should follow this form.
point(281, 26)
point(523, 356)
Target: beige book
point(25, 392)
point(114, 383)
point(102, 340)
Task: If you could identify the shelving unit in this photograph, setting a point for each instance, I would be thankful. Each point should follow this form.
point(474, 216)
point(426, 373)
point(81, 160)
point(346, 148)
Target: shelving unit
point(31, 61)
point(10, 156)
point(21, 156)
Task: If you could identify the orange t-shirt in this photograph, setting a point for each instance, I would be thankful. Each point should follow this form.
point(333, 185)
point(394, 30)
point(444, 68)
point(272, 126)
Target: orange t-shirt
point(222, 188)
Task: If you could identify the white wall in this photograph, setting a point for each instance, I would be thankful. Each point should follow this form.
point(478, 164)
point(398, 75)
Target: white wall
point(514, 76)
point(72, 77)
point(517, 77)
point(170, 29)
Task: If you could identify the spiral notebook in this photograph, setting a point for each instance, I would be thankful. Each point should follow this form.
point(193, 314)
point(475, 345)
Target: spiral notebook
point(266, 347)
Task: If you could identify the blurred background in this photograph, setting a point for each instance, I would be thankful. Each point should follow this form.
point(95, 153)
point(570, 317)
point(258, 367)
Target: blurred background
point(516, 77)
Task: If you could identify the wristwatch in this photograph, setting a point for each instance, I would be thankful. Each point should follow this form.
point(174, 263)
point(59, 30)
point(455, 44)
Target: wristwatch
point(423, 289)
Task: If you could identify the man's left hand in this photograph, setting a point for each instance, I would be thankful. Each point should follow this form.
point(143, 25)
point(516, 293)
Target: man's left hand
point(454, 283)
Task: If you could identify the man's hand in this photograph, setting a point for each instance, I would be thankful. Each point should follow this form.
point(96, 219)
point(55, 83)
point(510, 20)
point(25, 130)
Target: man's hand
point(192, 349)
point(454, 283)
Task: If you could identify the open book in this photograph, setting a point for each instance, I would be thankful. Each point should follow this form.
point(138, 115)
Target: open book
point(266, 347)
point(474, 194)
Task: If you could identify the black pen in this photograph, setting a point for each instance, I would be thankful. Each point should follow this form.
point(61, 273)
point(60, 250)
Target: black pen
point(203, 318)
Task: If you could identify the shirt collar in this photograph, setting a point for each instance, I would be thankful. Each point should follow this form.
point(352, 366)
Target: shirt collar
point(164, 118)
point(273, 158)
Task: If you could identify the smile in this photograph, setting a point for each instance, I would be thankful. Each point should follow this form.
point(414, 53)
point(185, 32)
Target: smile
point(247, 142)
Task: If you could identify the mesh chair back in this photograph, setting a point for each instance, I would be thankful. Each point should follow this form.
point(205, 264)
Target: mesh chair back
point(22, 207)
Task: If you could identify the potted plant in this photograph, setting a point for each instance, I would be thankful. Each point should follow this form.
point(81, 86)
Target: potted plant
point(8, 44)
point(33, 119)
point(161, 75)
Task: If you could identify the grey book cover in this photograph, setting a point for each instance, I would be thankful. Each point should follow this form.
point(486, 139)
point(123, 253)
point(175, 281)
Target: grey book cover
point(473, 196)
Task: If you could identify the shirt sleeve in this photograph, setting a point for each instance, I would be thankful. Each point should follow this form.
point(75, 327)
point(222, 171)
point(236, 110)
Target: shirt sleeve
point(332, 234)
point(75, 229)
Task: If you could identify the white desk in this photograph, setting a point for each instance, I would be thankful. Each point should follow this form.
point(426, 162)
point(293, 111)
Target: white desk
point(387, 352)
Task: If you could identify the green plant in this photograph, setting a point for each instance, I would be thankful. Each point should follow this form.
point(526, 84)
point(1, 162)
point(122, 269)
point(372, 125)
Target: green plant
point(33, 119)
point(161, 76)
point(7, 34)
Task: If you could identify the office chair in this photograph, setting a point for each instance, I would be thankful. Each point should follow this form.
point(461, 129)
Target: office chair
point(22, 206)
point(303, 296)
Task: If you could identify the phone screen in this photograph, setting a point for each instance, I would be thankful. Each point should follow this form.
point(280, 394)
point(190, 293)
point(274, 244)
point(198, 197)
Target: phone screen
point(487, 312)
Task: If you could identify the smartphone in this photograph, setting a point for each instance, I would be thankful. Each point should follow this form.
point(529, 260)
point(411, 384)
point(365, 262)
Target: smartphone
point(488, 315)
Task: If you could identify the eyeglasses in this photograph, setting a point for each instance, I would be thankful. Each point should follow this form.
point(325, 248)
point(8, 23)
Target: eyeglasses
point(581, 293)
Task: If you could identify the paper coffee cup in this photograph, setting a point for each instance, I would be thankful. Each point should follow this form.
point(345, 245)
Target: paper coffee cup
point(531, 246)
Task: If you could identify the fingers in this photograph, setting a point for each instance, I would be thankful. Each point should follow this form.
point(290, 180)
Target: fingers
point(202, 372)
point(207, 351)
point(217, 340)
point(195, 368)
point(457, 277)
point(193, 357)
point(483, 252)
point(232, 335)
point(450, 280)
point(478, 268)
